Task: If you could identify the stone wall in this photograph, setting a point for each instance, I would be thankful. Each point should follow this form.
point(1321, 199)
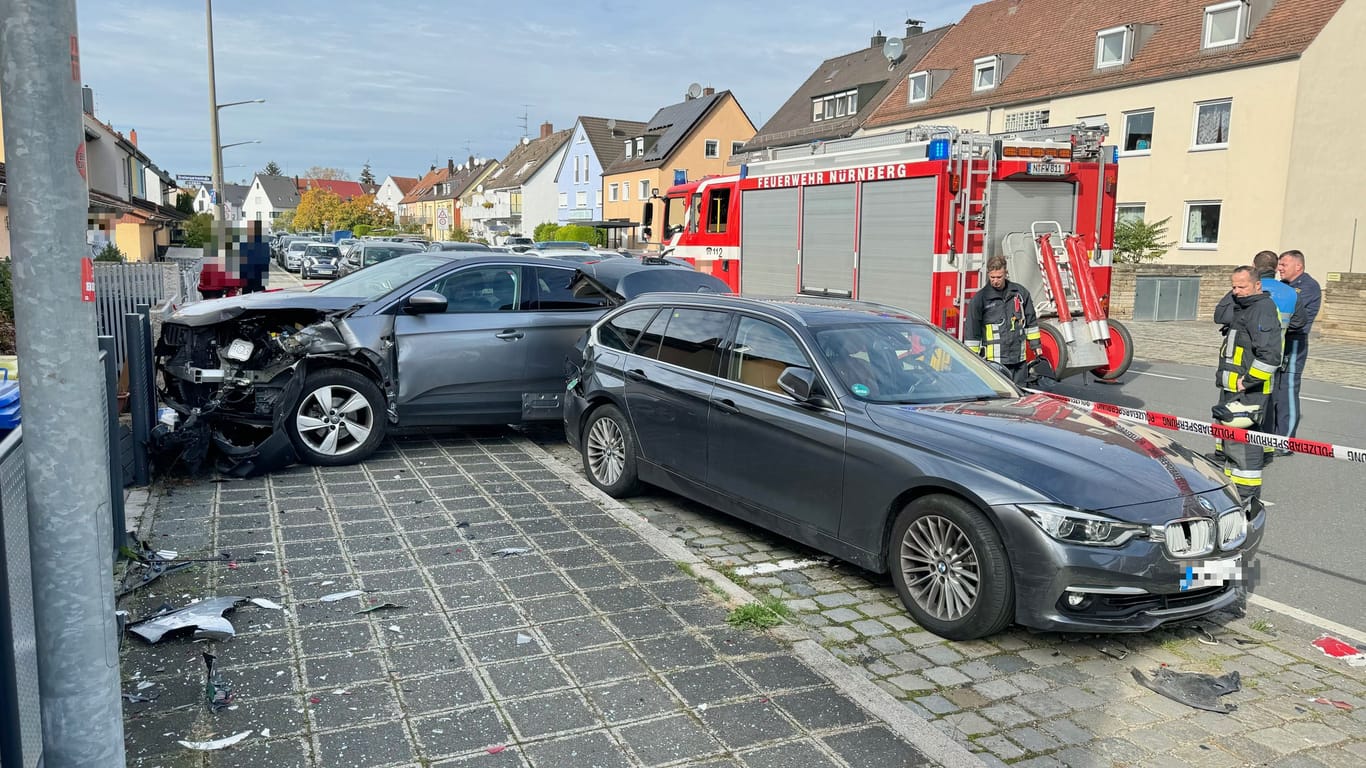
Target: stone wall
point(1344, 306)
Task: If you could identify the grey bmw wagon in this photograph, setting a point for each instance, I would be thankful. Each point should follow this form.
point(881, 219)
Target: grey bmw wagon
point(871, 435)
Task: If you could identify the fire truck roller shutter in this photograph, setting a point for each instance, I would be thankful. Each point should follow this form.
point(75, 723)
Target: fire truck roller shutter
point(1015, 206)
point(896, 244)
point(828, 240)
point(768, 242)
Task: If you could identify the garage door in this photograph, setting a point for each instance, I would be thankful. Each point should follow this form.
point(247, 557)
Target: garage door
point(828, 240)
point(896, 243)
point(1015, 205)
point(768, 242)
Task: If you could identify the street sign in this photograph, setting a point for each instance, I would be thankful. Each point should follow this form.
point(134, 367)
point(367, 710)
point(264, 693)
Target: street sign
point(190, 179)
point(443, 218)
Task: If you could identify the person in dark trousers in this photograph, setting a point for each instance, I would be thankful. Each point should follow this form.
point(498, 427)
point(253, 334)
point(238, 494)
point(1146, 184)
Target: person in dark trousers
point(1265, 265)
point(1248, 361)
point(1001, 322)
point(255, 259)
point(1308, 298)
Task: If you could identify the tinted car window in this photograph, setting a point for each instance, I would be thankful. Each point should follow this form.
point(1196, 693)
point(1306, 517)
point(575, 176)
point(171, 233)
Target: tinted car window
point(693, 337)
point(323, 251)
point(653, 338)
point(481, 289)
point(375, 282)
point(760, 353)
point(625, 329)
point(376, 255)
point(891, 362)
point(552, 291)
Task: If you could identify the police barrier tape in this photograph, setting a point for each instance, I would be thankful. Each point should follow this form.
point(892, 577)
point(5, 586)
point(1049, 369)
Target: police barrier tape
point(1235, 434)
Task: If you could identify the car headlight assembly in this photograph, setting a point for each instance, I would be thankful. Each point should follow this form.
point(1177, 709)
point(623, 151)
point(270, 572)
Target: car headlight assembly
point(1073, 526)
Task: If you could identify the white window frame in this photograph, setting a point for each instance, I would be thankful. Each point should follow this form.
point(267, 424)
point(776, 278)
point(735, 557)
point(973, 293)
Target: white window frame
point(1124, 48)
point(924, 77)
point(625, 191)
point(640, 146)
point(576, 169)
point(1125, 135)
point(629, 148)
point(611, 193)
point(1186, 223)
point(564, 199)
point(1238, 31)
point(1195, 125)
point(736, 147)
point(1119, 211)
point(711, 149)
point(981, 65)
point(581, 199)
point(644, 189)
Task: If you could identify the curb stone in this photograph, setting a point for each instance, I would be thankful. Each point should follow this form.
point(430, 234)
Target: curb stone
point(936, 745)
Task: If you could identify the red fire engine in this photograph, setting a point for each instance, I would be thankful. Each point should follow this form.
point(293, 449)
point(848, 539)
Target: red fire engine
point(908, 219)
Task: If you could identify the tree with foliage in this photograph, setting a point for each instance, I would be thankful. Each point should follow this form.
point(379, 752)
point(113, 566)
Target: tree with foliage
point(366, 175)
point(458, 235)
point(545, 231)
point(364, 210)
point(284, 222)
point(198, 230)
point(7, 336)
point(326, 172)
point(1137, 241)
point(318, 208)
point(271, 169)
point(579, 233)
point(110, 252)
point(184, 202)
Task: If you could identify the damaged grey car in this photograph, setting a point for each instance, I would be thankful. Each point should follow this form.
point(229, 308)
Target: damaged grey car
point(431, 339)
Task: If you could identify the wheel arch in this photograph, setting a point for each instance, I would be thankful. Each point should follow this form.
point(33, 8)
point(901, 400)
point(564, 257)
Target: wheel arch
point(934, 488)
point(596, 401)
point(354, 363)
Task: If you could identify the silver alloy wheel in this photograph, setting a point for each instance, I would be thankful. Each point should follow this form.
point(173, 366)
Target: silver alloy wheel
point(940, 566)
point(334, 420)
point(606, 448)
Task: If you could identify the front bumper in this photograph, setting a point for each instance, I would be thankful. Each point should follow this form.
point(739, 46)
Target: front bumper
point(1136, 587)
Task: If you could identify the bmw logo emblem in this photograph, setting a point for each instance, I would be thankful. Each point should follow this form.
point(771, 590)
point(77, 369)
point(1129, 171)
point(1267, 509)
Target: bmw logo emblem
point(1205, 504)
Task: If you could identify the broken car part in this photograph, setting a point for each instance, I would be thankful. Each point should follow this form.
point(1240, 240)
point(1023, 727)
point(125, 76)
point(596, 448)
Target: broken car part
point(205, 616)
point(339, 596)
point(216, 744)
point(1194, 689)
point(217, 691)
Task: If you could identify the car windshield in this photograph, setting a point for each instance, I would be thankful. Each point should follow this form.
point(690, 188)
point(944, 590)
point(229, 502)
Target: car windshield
point(385, 253)
point(908, 363)
point(373, 282)
point(298, 245)
point(322, 251)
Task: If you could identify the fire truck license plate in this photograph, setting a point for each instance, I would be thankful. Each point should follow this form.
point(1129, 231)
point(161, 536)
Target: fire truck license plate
point(1047, 169)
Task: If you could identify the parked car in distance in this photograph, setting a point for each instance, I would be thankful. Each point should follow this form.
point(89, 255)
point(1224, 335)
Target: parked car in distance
point(452, 245)
point(560, 245)
point(320, 260)
point(428, 339)
point(519, 244)
point(369, 253)
point(293, 258)
point(574, 254)
point(869, 434)
point(344, 245)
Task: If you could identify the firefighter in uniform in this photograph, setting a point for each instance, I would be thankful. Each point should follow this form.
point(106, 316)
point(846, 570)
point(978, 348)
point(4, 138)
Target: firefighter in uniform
point(1000, 322)
point(1309, 297)
point(1248, 361)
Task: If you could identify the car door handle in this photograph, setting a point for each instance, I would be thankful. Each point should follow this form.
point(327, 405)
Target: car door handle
point(727, 406)
point(511, 334)
point(635, 374)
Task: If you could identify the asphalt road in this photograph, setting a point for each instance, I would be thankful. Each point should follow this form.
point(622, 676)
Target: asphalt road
point(1312, 557)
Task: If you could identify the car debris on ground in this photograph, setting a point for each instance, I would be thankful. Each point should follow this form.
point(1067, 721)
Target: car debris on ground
point(1194, 689)
point(205, 617)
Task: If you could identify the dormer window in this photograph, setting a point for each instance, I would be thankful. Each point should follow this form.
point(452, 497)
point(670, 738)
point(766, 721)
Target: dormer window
point(917, 87)
point(629, 145)
point(1224, 24)
point(834, 106)
point(1114, 47)
point(640, 146)
point(984, 72)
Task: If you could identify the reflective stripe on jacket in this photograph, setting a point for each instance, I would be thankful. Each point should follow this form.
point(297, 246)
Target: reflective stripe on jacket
point(1252, 343)
point(1000, 324)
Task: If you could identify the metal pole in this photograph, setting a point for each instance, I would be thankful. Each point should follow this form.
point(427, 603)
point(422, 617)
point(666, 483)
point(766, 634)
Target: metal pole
point(213, 121)
point(68, 480)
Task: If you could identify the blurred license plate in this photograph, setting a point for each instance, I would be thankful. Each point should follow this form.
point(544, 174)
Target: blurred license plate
point(1211, 573)
point(1047, 169)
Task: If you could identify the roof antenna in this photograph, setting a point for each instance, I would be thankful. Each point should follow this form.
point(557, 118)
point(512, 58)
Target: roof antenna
point(526, 120)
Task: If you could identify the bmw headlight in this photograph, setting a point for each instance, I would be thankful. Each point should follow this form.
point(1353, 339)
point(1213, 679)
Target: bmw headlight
point(1072, 526)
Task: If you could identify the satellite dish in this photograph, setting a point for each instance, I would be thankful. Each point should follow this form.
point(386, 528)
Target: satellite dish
point(694, 90)
point(479, 189)
point(611, 123)
point(893, 49)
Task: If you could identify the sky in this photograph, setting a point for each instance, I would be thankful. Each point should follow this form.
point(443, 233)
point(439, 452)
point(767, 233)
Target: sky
point(404, 85)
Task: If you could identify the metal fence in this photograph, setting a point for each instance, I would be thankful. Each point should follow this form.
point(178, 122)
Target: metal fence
point(190, 261)
point(21, 737)
point(120, 288)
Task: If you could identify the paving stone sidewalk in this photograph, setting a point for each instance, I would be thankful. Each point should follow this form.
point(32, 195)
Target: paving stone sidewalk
point(1197, 343)
point(1048, 700)
point(587, 649)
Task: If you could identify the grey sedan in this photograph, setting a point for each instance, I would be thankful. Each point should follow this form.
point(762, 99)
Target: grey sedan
point(428, 339)
point(874, 436)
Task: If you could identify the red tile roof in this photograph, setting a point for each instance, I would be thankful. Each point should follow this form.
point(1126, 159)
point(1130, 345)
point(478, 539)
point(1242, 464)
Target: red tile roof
point(405, 184)
point(423, 187)
point(345, 189)
point(1057, 40)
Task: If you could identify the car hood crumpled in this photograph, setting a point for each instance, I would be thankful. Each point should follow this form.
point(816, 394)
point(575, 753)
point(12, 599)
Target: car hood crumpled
point(1083, 460)
point(623, 279)
point(213, 311)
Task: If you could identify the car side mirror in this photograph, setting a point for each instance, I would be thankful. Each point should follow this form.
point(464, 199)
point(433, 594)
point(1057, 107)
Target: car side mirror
point(426, 303)
point(797, 383)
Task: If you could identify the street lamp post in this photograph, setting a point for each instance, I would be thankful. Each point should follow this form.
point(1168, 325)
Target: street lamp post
point(214, 106)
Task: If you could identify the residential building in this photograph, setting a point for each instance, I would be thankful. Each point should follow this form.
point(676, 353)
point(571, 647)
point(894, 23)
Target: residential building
point(1231, 119)
point(393, 190)
point(500, 199)
point(594, 143)
point(342, 188)
point(844, 91)
point(464, 178)
point(690, 139)
point(269, 197)
point(433, 202)
point(234, 198)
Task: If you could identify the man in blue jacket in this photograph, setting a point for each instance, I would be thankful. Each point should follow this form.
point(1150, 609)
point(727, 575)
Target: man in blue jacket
point(1286, 397)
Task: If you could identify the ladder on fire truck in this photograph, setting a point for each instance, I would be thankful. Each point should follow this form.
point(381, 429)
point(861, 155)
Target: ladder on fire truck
point(1068, 288)
point(972, 166)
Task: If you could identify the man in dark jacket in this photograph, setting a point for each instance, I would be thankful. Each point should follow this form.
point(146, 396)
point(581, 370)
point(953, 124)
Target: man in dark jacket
point(1308, 298)
point(1001, 322)
point(1247, 365)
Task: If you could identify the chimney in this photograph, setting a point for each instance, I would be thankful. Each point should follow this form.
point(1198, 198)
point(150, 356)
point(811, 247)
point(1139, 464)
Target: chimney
point(450, 166)
point(914, 27)
point(547, 129)
point(708, 91)
point(133, 136)
point(878, 40)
